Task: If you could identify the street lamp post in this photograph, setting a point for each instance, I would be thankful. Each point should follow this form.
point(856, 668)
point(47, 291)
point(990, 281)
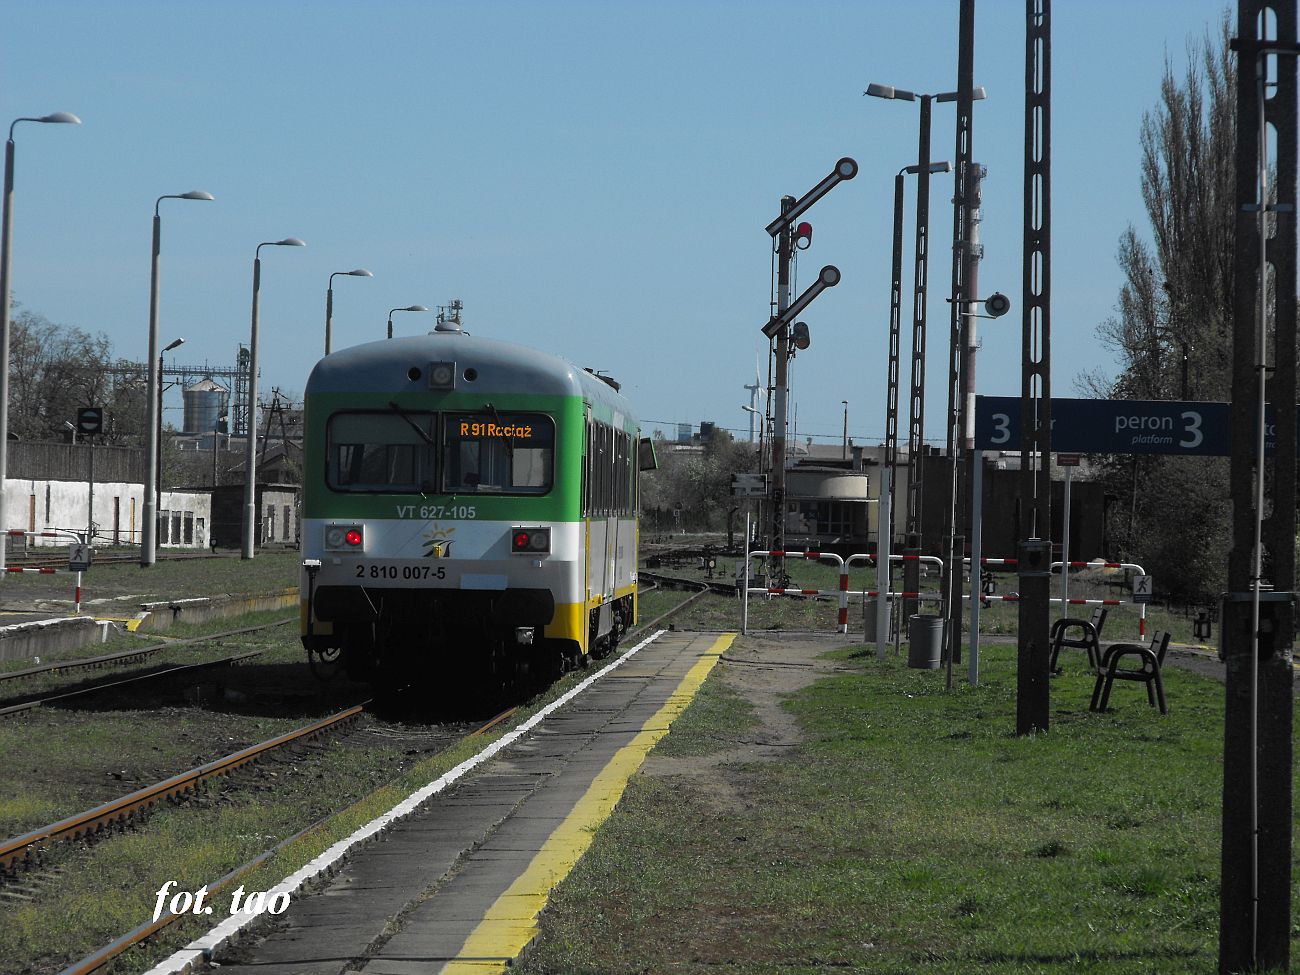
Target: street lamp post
point(920, 288)
point(895, 323)
point(407, 308)
point(916, 431)
point(6, 232)
point(359, 272)
point(844, 450)
point(250, 455)
point(157, 433)
point(153, 407)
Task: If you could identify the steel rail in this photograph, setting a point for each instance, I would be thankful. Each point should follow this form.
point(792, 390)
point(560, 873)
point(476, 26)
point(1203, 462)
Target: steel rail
point(121, 810)
point(126, 656)
point(98, 959)
point(94, 688)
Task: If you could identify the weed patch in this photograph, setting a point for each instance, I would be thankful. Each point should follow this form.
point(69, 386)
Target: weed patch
point(912, 831)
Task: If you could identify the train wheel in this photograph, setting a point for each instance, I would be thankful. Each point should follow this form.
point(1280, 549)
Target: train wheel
point(329, 665)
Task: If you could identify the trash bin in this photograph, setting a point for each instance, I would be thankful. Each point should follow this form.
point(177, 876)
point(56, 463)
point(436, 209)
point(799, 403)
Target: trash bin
point(925, 642)
point(869, 615)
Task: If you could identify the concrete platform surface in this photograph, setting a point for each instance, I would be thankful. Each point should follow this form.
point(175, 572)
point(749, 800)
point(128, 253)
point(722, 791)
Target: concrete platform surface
point(457, 886)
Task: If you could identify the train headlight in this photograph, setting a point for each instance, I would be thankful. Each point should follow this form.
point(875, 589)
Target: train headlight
point(344, 538)
point(442, 375)
point(530, 541)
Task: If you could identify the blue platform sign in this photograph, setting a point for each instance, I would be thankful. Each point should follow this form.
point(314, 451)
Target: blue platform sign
point(1111, 426)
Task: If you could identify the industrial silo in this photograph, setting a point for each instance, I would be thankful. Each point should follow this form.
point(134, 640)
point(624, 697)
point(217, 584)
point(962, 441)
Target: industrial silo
point(205, 403)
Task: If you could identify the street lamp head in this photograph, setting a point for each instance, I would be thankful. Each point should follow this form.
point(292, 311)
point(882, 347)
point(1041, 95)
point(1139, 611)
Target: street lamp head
point(359, 272)
point(889, 91)
point(173, 345)
point(976, 94)
point(191, 195)
point(287, 242)
point(410, 308)
point(66, 117)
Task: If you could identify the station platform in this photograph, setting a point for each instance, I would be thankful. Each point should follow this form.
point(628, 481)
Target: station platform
point(456, 886)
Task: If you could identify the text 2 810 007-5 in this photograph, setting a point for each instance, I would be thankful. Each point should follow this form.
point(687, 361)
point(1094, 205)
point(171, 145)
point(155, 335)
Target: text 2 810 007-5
point(382, 570)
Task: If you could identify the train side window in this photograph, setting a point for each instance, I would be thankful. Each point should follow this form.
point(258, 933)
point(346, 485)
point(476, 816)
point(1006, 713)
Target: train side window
point(586, 469)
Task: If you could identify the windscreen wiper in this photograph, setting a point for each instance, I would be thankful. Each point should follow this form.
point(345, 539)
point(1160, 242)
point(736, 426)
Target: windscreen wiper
point(409, 422)
point(491, 411)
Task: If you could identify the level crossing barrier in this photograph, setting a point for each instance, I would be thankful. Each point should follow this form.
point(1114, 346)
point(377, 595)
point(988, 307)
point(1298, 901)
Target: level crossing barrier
point(1065, 600)
point(843, 592)
point(68, 536)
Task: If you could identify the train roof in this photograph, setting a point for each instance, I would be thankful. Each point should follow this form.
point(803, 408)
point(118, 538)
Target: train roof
point(501, 367)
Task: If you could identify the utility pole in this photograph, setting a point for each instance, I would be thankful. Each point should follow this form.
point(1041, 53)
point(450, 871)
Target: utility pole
point(962, 259)
point(1033, 691)
point(1259, 622)
point(916, 408)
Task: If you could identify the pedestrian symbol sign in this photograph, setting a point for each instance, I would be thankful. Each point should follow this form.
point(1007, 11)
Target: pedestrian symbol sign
point(78, 557)
point(1142, 589)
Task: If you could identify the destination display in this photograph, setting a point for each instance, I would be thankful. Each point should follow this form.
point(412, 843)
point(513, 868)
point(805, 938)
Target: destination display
point(515, 431)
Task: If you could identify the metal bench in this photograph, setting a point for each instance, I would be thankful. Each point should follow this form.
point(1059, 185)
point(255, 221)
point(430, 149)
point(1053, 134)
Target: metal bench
point(1150, 658)
point(1088, 637)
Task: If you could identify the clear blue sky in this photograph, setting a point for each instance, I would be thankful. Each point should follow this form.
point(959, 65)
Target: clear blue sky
point(591, 178)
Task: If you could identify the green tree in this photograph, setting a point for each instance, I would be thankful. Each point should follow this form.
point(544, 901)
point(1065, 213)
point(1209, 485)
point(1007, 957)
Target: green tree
point(695, 480)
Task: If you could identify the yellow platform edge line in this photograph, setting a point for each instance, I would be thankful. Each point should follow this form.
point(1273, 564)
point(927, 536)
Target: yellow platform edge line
point(504, 933)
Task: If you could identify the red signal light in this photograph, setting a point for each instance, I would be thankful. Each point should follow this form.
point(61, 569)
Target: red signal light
point(521, 541)
point(353, 537)
point(804, 231)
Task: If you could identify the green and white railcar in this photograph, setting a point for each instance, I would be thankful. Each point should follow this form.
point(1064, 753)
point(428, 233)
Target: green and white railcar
point(467, 504)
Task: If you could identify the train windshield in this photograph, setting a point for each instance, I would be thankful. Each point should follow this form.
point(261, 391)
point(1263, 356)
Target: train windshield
point(382, 451)
point(509, 453)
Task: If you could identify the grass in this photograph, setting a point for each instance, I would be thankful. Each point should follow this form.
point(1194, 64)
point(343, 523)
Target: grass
point(912, 832)
point(128, 583)
point(132, 641)
point(67, 759)
point(109, 887)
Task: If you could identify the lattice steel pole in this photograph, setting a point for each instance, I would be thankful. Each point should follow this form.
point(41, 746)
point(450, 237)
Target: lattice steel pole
point(1259, 612)
point(784, 258)
point(895, 329)
point(1032, 676)
point(954, 534)
point(920, 288)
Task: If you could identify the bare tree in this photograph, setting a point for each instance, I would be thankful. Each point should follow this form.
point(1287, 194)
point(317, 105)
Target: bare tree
point(1172, 326)
point(57, 369)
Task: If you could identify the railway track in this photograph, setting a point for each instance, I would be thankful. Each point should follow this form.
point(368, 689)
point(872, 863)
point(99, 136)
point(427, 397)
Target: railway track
point(136, 806)
point(98, 959)
point(130, 807)
point(33, 703)
point(31, 560)
point(127, 656)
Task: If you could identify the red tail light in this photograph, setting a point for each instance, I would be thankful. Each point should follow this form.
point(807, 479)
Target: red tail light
point(530, 541)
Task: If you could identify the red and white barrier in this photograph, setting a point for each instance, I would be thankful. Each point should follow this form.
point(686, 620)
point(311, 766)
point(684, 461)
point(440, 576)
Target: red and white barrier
point(59, 533)
point(842, 592)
